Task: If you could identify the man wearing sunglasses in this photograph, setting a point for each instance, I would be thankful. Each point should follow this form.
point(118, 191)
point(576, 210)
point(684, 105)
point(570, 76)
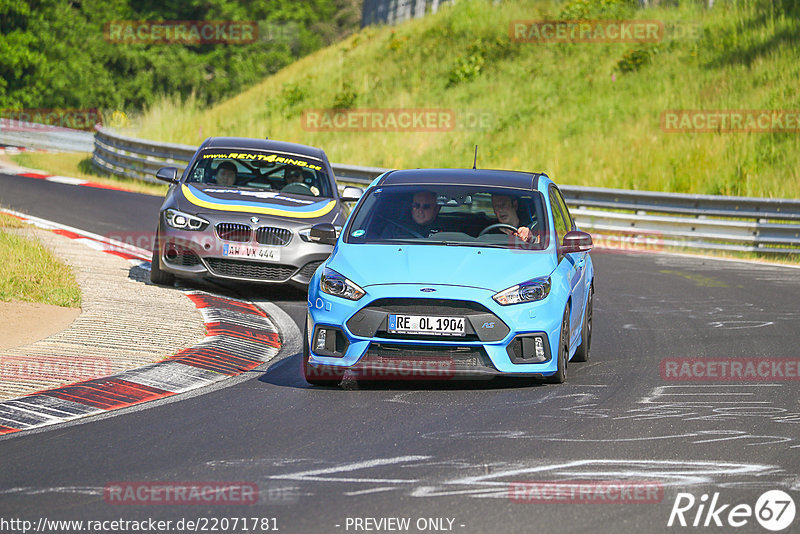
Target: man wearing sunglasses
point(424, 211)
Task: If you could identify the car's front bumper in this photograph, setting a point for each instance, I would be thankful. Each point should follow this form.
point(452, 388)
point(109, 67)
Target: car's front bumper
point(199, 254)
point(357, 338)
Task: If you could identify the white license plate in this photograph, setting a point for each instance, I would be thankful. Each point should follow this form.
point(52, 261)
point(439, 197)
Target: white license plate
point(256, 253)
point(426, 324)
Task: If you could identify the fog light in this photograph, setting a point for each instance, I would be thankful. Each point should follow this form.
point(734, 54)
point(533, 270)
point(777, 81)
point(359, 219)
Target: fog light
point(539, 348)
point(321, 335)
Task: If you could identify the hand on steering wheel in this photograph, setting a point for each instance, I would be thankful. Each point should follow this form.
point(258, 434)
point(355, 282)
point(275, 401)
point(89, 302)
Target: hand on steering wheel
point(297, 187)
point(497, 225)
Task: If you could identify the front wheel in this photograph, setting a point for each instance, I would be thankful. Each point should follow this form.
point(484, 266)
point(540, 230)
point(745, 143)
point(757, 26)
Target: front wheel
point(157, 276)
point(318, 375)
point(560, 375)
point(582, 352)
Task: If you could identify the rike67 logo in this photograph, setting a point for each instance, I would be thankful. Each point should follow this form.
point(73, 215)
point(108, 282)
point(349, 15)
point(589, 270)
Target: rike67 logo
point(774, 510)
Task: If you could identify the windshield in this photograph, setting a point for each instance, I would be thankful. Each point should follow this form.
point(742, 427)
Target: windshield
point(255, 170)
point(452, 215)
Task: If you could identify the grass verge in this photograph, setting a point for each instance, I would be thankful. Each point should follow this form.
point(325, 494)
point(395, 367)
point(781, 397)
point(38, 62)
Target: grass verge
point(585, 113)
point(31, 273)
point(79, 165)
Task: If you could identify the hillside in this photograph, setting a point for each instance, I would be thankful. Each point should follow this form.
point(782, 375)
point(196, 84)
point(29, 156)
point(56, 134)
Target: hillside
point(585, 113)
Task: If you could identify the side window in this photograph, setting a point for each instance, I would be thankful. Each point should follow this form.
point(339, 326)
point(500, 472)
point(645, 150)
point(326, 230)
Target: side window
point(558, 219)
point(563, 205)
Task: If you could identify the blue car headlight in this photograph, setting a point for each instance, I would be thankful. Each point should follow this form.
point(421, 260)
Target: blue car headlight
point(530, 291)
point(184, 221)
point(337, 285)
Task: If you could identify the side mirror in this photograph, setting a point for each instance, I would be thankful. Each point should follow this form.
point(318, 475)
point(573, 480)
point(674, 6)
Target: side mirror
point(168, 174)
point(576, 241)
point(351, 194)
point(324, 233)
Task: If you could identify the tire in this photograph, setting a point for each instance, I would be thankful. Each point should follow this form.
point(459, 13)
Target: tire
point(319, 375)
point(157, 276)
point(582, 352)
point(560, 375)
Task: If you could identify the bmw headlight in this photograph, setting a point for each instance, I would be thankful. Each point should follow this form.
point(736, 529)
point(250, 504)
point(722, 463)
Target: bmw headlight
point(529, 291)
point(184, 221)
point(335, 284)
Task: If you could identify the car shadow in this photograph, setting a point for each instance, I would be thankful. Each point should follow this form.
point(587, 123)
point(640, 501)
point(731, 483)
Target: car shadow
point(286, 373)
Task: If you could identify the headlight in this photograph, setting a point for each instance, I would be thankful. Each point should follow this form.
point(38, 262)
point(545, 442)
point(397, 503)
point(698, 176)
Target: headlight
point(529, 291)
point(335, 284)
point(184, 221)
point(305, 233)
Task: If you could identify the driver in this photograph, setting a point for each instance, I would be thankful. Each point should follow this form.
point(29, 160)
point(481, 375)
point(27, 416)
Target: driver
point(226, 173)
point(424, 211)
point(294, 175)
point(505, 208)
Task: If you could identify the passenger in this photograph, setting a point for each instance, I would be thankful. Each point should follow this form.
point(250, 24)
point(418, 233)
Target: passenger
point(506, 210)
point(226, 173)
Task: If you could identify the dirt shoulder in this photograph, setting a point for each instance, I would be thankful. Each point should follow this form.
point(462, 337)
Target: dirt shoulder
point(124, 322)
point(22, 323)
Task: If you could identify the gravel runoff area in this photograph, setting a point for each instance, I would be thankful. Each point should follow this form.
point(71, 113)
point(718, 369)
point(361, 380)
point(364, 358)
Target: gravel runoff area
point(124, 322)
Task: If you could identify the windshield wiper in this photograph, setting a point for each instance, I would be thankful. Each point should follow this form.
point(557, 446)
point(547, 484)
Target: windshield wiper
point(464, 244)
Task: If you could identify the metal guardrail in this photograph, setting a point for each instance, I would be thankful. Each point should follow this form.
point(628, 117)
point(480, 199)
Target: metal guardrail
point(648, 218)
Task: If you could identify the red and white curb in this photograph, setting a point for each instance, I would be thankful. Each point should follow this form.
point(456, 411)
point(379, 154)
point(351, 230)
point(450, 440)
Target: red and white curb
point(14, 150)
point(55, 178)
point(239, 337)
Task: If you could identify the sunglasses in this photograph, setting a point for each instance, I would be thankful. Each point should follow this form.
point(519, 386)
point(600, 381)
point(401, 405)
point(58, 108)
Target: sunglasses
point(418, 206)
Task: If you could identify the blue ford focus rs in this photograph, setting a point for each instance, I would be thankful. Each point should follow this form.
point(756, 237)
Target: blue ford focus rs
point(451, 273)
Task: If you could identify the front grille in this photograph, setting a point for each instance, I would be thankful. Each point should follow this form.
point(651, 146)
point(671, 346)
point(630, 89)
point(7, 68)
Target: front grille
point(482, 324)
point(234, 232)
point(270, 235)
point(463, 357)
point(178, 255)
point(308, 269)
point(443, 307)
point(251, 270)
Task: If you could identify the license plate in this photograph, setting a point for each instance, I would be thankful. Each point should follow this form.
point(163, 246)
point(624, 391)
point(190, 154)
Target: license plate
point(426, 324)
point(256, 253)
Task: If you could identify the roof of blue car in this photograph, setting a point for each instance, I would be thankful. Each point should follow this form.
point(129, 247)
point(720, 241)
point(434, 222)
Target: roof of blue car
point(481, 177)
point(263, 144)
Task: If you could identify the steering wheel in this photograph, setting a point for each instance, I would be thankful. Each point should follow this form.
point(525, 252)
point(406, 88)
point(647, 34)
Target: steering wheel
point(403, 227)
point(298, 188)
point(497, 225)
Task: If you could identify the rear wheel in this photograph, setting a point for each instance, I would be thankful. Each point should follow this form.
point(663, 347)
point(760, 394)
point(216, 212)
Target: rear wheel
point(582, 352)
point(560, 375)
point(157, 276)
point(318, 375)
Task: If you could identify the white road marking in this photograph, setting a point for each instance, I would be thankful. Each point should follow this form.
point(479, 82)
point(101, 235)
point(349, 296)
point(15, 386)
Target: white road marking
point(314, 474)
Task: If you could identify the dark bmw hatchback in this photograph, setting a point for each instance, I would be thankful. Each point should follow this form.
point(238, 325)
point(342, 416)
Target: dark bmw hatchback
point(242, 210)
